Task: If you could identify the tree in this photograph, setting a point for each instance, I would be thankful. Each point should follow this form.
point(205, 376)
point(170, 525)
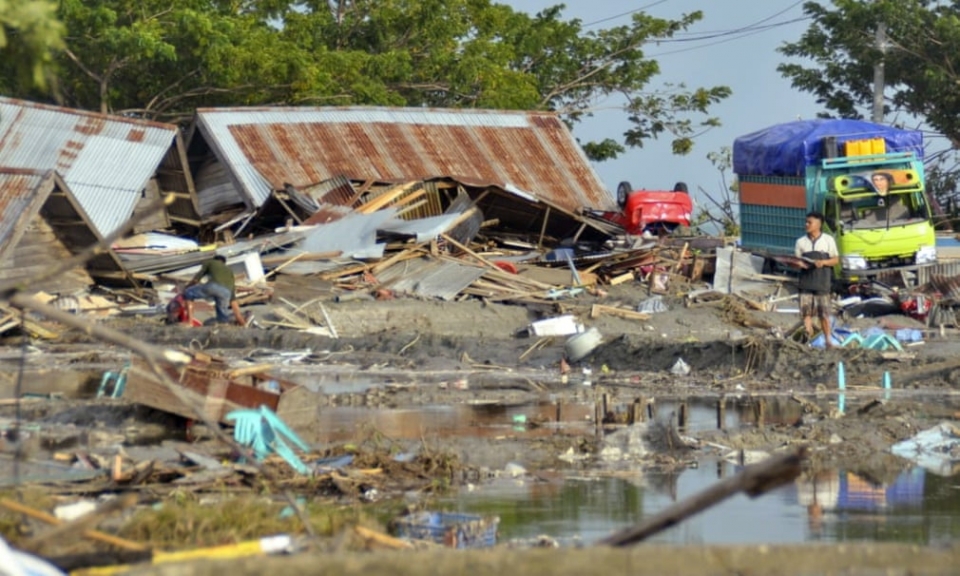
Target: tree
point(921, 58)
point(474, 53)
point(162, 59)
point(29, 35)
point(721, 212)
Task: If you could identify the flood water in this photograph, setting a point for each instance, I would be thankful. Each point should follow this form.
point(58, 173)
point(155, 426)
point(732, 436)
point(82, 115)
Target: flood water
point(491, 420)
point(917, 507)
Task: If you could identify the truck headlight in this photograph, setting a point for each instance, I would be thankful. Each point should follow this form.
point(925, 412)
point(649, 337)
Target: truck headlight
point(926, 254)
point(853, 262)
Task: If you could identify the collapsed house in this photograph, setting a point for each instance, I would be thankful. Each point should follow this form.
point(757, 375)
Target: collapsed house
point(41, 223)
point(114, 166)
point(523, 169)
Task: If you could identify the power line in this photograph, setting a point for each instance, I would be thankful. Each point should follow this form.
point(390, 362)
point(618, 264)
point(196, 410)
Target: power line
point(635, 10)
point(742, 33)
point(707, 35)
point(721, 33)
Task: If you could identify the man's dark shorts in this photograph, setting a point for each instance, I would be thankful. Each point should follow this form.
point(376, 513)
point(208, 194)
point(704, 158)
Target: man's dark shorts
point(815, 305)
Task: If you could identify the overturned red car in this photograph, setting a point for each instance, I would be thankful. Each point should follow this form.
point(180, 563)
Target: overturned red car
point(652, 212)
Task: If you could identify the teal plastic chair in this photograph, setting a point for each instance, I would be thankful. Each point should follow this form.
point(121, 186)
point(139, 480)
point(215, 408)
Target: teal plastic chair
point(264, 432)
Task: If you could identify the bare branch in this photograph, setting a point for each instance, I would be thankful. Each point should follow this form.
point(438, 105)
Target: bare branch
point(75, 60)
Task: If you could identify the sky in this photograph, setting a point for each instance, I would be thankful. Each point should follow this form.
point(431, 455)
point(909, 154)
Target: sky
point(745, 62)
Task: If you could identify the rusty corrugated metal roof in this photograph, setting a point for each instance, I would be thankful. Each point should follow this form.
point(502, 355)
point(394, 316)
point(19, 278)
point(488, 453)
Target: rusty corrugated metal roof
point(531, 152)
point(106, 160)
point(18, 201)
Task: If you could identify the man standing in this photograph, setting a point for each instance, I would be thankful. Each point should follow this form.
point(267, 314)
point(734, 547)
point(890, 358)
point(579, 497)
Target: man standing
point(818, 254)
point(219, 287)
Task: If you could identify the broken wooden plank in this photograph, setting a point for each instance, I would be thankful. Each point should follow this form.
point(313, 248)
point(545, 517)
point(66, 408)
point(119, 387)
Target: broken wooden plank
point(599, 309)
point(54, 521)
point(625, 277)
point(386, 198)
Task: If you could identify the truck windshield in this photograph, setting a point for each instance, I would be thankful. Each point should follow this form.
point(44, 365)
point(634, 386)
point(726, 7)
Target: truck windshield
point(896, 209)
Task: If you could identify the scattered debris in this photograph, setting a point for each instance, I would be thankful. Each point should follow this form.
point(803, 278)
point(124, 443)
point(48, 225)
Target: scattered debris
point(936, 449)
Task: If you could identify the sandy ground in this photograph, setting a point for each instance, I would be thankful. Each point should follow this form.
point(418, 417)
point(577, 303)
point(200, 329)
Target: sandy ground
point(860, 560)
point(418, 348)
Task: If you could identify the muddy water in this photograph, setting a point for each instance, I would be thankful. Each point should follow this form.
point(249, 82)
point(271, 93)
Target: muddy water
point(537, 419)
point(485, 419)
point(917, 507)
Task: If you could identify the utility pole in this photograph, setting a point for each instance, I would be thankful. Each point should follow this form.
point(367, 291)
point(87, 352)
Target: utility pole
point(878, 79)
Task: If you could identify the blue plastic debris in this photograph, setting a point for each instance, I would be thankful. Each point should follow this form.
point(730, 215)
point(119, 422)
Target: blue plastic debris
point(16, 562)
point(332, 463)
point(908, 335)
point(558, 293)
point(288, 511)
point(450, 529)
point(841, 385)
point(263, 431)
point(404, 457)
point(113, 383)
point(853, 339)
point(882, 342)
point(820, 341)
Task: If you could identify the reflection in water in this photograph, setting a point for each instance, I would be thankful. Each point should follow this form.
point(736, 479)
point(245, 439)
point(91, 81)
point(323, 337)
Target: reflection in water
point(832, 506)
point(915, 507)
point(341, 423)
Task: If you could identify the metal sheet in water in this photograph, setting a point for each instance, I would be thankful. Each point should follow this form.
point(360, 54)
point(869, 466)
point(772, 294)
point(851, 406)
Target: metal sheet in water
point(39, 472)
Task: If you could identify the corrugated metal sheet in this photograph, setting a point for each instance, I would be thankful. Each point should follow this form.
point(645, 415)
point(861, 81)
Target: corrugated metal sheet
point(943, 268)
point(430, 278)
point(106, 160)
point(17, 190)
point(525, 151)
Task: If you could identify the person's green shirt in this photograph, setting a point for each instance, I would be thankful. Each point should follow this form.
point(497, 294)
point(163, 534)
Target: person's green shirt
point(218, 272)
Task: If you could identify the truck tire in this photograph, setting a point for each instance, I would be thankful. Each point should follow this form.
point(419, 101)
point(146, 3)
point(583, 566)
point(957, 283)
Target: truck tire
point(623, 190)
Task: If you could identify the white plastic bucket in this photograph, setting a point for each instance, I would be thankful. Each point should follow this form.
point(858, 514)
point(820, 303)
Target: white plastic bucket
point(581, 345)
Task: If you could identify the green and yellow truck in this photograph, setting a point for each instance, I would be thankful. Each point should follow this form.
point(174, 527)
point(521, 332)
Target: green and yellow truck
point(867, 179)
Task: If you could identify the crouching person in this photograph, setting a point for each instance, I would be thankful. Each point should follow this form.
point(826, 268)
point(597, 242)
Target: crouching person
point(219, 287)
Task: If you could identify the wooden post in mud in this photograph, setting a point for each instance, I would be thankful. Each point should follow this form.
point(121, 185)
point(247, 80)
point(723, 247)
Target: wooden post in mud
point(636, 411)
point(761, 412)
point(651, 409)
point(721, 413)
point(559, 411)
point(682, 416)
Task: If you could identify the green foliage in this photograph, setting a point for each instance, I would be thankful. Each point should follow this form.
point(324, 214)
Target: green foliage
point(921, 58)
point(162, 59)
point(29, 35)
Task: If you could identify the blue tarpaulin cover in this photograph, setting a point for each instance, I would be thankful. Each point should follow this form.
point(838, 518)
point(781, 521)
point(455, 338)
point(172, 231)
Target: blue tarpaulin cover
point(787, 149)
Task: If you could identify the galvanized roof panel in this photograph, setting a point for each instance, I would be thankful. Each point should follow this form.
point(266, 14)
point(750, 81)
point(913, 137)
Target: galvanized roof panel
point(530, 152)
point(105, 160)
point(17, 191)
point(430, 278)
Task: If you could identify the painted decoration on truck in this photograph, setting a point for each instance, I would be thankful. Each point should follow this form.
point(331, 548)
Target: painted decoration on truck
point(879, 181)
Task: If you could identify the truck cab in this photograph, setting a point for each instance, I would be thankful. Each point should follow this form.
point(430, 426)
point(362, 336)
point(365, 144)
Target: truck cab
point(877, 210)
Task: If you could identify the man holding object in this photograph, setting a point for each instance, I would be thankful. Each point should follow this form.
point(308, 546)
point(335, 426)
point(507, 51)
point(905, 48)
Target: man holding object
point(817, 254)
point(219, 287)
